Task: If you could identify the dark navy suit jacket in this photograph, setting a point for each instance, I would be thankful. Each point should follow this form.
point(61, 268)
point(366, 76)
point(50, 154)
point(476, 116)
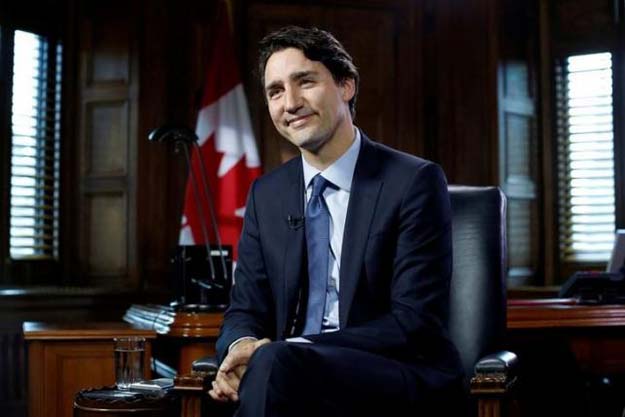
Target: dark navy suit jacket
point(395, 265)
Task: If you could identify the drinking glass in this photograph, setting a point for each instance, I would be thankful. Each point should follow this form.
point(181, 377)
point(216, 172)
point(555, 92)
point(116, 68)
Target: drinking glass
point(128, 360)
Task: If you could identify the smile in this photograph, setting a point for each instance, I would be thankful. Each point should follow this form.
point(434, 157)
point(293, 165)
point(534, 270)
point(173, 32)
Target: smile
point(298, 121)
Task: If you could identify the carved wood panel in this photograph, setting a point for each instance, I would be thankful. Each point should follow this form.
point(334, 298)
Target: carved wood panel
point(108, 96)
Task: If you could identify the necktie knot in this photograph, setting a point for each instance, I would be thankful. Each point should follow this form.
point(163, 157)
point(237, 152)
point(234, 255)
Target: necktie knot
point(319, 184)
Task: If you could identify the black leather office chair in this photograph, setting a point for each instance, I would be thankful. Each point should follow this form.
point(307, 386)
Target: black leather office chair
point(477, 321)
point(477, 305)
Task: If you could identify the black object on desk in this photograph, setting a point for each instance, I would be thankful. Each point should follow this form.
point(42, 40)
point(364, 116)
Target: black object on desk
point(195, 289)
point(595, 287)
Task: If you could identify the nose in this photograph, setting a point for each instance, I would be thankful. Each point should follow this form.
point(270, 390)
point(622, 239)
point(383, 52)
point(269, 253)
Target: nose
point(293, 100)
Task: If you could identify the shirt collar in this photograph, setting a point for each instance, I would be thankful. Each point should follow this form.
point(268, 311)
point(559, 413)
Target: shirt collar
point(341, 171)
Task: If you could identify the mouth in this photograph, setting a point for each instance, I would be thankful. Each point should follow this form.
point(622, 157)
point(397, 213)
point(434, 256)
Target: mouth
point(298, 121)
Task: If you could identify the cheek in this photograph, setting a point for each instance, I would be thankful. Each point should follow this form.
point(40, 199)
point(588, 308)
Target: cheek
point(274, 113)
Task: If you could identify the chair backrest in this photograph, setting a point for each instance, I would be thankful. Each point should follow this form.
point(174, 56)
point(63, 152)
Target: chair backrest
point(477, 320)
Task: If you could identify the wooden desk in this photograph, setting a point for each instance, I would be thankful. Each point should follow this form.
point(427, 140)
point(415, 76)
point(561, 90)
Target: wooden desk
point(562, 313)
point(182, 336)
point(593, 333)
point(65, 358)
point(572, 357)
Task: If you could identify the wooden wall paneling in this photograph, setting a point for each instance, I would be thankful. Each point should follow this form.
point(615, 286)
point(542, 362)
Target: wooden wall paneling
point(107, 138)
point(159, 194)
point(108, 239)
point(108, 94)
point(70, 151)
point(582, 26)
point(174, 49)
point(460, 51)
point(5, 151)
point(375, 33)
point(619, 122)
point(548, 146)
point(373, 48)
point(12, 371)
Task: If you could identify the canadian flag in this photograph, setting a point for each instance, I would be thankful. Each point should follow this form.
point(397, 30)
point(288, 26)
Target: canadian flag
point(226, 145)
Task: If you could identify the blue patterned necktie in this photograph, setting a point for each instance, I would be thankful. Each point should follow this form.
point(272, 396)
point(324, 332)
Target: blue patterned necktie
point(318, 243)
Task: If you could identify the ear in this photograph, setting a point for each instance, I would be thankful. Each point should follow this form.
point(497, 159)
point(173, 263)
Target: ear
point(348, 89)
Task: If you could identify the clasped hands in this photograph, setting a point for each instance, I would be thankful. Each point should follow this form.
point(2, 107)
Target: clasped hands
point(226, 383)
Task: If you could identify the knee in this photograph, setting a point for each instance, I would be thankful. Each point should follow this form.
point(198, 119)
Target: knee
point(272, 379)
point(273, 364)
point(271, 353)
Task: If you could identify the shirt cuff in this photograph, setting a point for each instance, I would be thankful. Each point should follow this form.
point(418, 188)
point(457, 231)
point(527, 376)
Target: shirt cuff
point(297, 340)
point(240, 339)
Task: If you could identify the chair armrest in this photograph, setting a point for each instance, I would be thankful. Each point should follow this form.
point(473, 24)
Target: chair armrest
point(208, 364)
point(495, 373)
point(499, 362)
point(203, 372)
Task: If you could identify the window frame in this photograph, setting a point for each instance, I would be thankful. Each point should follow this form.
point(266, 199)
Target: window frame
point(29, 272)
point(564, 269)
point(561, 137)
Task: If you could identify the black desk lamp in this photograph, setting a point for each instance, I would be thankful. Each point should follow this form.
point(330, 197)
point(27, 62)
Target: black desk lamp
point(188, 261)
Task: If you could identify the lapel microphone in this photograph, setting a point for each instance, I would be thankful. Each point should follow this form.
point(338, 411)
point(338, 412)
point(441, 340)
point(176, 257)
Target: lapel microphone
point(295, 222)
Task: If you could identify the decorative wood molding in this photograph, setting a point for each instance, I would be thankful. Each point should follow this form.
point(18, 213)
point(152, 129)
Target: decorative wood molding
point(562, 314)
point(193, 388)
point(492, 384)
point(195, 381)
point(164, 320)
point(81, 331)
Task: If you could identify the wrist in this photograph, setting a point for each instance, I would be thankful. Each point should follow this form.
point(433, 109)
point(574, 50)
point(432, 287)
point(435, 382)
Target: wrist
point(242, 341)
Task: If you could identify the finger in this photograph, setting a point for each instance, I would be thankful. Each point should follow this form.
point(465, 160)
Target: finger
point(234, 380)
point(239, 371)
point(233, 383)
point(223, 386)
point(261, 342)
point(213, 394)
point(216, 393)
point(236, 357)
point(224, 391)
point(231, 360)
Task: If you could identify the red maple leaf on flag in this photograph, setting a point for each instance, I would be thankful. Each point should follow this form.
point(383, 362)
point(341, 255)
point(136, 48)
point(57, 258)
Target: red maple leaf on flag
point(226, 146)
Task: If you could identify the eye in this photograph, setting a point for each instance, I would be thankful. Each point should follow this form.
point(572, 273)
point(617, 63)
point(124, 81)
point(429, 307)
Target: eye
point(306, 82)
point(274, 93)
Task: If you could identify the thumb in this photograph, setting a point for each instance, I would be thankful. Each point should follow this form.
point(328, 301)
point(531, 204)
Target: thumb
point(261, 342)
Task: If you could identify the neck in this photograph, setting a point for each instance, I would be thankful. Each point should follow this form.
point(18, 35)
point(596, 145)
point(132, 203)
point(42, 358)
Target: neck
point(332, 149)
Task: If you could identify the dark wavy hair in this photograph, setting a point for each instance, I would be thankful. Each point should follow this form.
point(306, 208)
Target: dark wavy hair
point(317, 45)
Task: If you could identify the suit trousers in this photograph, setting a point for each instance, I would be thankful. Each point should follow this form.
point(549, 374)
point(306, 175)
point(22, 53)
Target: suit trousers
point(300, 379)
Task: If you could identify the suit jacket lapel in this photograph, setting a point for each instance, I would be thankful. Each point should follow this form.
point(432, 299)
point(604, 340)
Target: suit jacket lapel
point(294, 243)
point(363, 199)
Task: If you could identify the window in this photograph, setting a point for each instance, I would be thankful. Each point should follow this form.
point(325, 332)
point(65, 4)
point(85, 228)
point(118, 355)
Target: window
point(585, 157)
point(35, 136)
point(32, 106)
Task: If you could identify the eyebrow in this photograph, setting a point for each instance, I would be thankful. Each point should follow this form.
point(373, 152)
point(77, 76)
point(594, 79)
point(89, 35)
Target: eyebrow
point(295, 76)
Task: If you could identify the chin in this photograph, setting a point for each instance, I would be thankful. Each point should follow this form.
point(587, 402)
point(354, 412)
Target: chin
point(310, 143)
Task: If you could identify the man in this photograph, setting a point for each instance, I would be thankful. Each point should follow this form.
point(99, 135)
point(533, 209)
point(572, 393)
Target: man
point(341, 290)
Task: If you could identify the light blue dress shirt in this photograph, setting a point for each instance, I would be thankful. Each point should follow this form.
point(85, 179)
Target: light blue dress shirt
point(340, 173)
